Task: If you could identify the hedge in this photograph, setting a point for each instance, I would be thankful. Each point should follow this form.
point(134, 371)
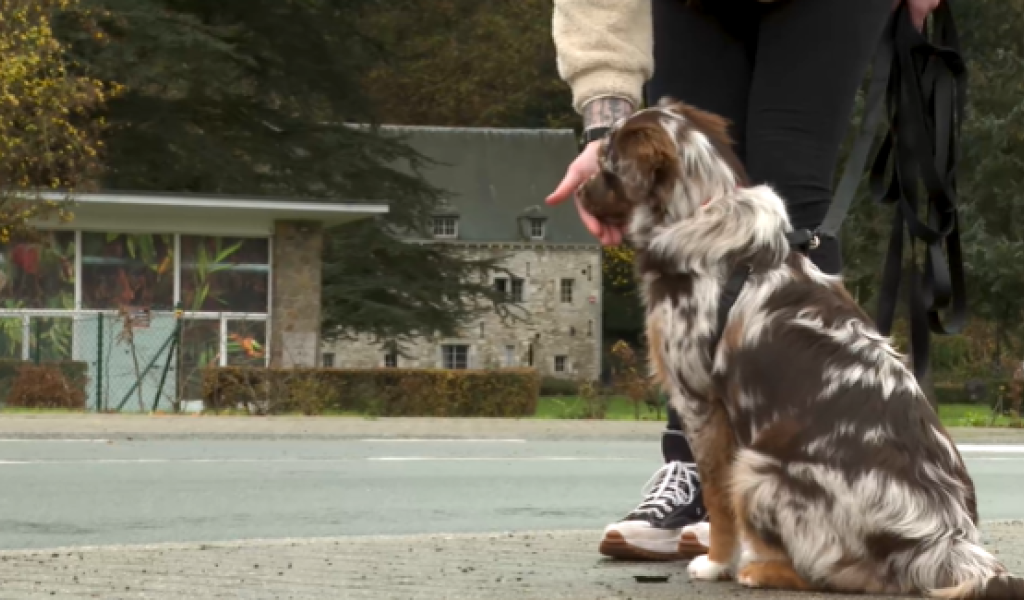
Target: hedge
point(555, 386)
point(47, 385)
point(990, 392)
point(382, 392)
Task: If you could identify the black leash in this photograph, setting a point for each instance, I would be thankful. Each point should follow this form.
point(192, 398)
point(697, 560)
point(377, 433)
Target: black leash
point(926, 104)
point(920, 85)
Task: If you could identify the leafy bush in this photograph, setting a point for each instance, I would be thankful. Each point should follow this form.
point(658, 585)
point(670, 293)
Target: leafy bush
point(383, 392)
point(51, 385)
point(555, 386)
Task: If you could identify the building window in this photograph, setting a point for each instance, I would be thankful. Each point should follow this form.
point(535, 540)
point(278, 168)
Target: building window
point(122, 269)
point(39, 273)
point(328, 360)
point(455, 356)
point(566, 291)
point(446, 227)
point(515, 290)
point(536, 229)
point(391, 360)
point(224, 274)
point(510, 356)
point(561, 362)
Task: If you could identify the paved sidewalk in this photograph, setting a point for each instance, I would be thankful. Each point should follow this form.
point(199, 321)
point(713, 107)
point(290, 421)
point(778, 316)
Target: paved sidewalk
point(545, 565)
point(183, 427)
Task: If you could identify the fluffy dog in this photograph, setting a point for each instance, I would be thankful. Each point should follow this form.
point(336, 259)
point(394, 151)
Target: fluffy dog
point(815, 445)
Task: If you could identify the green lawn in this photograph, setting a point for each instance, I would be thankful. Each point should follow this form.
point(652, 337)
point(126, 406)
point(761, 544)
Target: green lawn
point(622, 409)
point(618, 408)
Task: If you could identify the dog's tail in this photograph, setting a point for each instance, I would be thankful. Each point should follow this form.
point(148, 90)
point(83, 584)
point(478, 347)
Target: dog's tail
point(981, 575)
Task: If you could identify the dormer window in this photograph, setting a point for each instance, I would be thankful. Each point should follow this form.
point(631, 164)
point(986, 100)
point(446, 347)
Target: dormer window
point(537, 228)
point(446, 227)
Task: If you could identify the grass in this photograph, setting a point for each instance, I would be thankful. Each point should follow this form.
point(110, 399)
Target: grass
point(38, 411)
point(974, 415)
point(619, 408)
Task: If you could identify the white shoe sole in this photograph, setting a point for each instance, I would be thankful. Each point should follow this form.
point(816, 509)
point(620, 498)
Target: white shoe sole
point(615, 545)
point(690, 546)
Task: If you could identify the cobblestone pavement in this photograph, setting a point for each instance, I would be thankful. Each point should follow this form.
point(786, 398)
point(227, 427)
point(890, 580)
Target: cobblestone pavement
point(543, 565)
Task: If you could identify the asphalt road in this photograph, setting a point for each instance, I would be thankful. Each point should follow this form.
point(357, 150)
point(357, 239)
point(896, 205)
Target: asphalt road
point(97, 492)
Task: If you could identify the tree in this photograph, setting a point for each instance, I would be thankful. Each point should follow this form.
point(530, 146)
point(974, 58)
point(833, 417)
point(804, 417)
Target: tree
point(48, 138)
point(262, 97)
point(467, 63)
point(992, 172)
point(621, 306)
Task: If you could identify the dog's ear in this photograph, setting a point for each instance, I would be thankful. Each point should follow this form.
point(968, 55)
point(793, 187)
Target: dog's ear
point(714, 126)
point(644, 158)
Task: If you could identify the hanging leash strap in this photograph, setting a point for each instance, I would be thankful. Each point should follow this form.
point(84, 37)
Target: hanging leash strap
point(925, 103)
point(920, 85)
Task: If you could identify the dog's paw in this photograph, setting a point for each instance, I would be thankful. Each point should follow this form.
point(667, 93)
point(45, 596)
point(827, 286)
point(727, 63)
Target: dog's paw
point(704, 569)
point(748, 578)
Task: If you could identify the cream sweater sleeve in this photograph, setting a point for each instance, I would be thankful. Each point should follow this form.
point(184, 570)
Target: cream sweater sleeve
point(603, 48)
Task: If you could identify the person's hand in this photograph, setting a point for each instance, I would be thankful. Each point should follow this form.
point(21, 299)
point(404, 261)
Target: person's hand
point(919, 10)
point(583, 168)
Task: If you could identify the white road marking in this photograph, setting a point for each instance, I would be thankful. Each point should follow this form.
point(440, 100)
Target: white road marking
point(442, 440)
point(991, 448)
point(151, 461)
point(53, 440)
point(500, 458)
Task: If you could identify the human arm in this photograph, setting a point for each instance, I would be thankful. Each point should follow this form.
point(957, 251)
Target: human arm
point(604, 52)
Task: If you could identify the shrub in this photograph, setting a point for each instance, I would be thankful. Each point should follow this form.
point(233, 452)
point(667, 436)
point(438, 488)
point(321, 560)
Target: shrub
point(51, 385)
point(384, 392)
point(555, 386)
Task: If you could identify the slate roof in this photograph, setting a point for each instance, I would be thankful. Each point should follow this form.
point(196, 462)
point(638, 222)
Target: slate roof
point(496, 176)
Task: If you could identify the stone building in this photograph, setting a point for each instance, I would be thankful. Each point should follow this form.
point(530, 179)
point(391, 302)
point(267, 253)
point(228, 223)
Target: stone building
point(497, 180)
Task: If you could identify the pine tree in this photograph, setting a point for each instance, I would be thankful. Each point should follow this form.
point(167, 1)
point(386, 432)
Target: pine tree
point(259, 97)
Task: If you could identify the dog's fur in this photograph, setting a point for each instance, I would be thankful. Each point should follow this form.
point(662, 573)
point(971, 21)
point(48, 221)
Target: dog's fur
point(814, 442)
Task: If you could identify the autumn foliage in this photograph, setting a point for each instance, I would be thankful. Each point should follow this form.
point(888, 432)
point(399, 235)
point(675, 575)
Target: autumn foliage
point(381, 392)
point(49, 138)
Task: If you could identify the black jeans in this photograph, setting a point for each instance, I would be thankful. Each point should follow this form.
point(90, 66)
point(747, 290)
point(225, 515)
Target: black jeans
point(786, 75)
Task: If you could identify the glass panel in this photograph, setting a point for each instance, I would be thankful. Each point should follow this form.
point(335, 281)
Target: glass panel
point(38, 272)
point(247, 342)
point(200, 347)
point(11, 334)
point(51, 338)
point(225, 274)
point(127, 270)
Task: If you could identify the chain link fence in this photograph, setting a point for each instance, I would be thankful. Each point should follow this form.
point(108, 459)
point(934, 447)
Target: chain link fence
point(132, 360)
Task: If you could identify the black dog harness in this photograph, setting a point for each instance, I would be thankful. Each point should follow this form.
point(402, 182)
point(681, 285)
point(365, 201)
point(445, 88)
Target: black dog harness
point(920, 84)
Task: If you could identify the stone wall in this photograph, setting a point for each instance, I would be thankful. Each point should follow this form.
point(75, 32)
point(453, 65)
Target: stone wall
point(552, 328)
point(295, 296)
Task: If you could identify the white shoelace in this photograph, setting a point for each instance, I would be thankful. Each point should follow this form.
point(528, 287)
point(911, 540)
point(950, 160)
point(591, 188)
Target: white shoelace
point(672, 485)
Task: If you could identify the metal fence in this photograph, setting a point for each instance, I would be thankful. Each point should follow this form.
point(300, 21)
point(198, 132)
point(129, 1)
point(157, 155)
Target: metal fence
point(136, 360)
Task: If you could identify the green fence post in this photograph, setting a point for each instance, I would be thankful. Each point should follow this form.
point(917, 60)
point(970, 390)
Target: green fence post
point(99, 362)
point(171, 353)
point(37, 335)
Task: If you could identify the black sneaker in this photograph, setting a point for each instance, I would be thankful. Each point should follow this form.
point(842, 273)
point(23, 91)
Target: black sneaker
point(655, 528)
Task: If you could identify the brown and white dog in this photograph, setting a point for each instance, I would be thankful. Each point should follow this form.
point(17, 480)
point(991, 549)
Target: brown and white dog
point(815, 445)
